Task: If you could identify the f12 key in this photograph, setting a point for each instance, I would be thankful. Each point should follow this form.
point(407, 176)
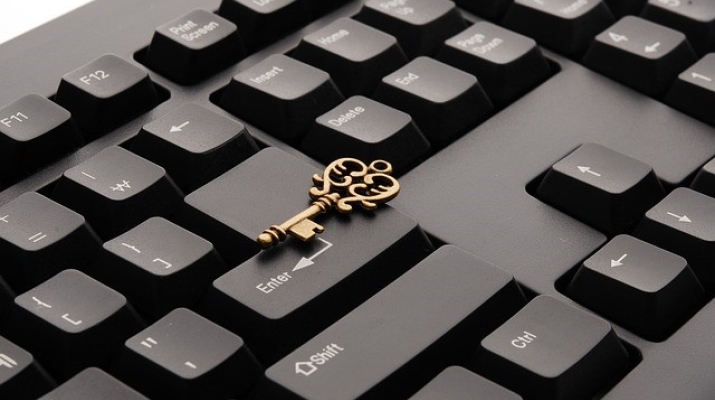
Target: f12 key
point(105, 93)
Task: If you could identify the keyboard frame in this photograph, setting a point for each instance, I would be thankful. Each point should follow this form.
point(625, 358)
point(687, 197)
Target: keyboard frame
point(668, 370)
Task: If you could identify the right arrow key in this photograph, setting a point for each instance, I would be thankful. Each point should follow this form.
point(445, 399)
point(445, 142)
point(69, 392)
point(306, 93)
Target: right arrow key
point(684, 223)
point(643, 55)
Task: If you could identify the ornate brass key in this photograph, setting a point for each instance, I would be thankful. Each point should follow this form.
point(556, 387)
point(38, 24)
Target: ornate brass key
point(344, 183)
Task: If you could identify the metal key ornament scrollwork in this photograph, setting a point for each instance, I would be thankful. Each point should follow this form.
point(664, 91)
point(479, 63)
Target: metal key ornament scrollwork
point(345, 183)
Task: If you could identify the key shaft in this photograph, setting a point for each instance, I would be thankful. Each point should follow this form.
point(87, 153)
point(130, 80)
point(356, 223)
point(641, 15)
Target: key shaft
point(301, 225)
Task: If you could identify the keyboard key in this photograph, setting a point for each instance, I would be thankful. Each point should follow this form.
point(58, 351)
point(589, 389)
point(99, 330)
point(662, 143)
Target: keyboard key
point(106, 93)
point(116, 190)
point(367, 130)
point(33, 132)
point(93, 384)
point(457, 383)
point(694, 18)
point(638, 286)
point(263, 21)
point(303, 288)
point(194, 46)
point(39, 238)
point(185, 356)
point(491, 9)
point(643, 55)
point(506, 63)
point(551, 350)
point(684, 223)
point(704, 181)
point(159, 266)
point(355, 55)
point(421, 26)
point(567, 26)
point(444, 101)
point(694, 90)
point(70, 322)
point(620, 8)
point(281, 95)
point(194, 144)
point(21, 377)
point(606, 189)
point(377, 347)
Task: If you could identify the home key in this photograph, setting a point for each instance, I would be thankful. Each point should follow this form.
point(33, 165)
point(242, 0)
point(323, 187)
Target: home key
point(344, 183)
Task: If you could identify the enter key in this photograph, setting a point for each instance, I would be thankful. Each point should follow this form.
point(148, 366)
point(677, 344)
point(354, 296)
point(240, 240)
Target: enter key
point(281, 297)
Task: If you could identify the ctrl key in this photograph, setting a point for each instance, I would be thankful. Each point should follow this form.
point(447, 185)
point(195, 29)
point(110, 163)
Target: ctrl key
point(552, 350)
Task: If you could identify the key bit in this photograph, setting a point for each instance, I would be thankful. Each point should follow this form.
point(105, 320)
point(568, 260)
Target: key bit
point(344, 182)
point(301, 225)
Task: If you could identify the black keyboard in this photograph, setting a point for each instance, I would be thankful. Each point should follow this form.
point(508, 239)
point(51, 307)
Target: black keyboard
point(554, 237)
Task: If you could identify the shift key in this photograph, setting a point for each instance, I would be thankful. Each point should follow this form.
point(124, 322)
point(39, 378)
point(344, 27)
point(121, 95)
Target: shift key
point(402, 337)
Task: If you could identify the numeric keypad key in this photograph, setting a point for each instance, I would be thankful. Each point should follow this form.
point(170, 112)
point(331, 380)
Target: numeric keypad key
point(643, 55)
point(694, 90)
point(695, 18)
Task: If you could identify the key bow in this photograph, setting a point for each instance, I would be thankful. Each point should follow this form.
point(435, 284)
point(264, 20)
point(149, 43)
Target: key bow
point(344, 183)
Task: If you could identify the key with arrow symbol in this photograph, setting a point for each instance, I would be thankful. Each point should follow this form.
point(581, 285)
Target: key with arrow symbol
point(307, 262)
point(588, 170)
point(179, 128)
point(681, 218)
point(619, 262)
point(652, 48)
